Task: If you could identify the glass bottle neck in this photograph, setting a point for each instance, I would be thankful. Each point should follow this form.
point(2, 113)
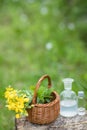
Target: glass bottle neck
point(67, 86)
point(68, 89)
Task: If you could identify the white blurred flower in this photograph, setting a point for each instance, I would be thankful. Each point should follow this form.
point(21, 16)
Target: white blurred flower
point(44, 10)
point(23, 17)
point(71, 26)
point(49, 46)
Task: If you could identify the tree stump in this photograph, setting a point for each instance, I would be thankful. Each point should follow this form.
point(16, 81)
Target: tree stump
point(61, 123)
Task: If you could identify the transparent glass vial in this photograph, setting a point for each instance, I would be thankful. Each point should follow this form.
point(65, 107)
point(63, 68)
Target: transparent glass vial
point(81, 103)
point(68, 100)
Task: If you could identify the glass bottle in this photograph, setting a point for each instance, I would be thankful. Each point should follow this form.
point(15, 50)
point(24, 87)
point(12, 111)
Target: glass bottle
point(68, 100)
point(81, 103)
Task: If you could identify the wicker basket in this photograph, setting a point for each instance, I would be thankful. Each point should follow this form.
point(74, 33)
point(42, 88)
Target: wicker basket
point(44, 113)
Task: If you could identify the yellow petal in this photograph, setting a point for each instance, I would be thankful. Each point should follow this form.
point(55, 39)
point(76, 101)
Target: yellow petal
point(17, 116)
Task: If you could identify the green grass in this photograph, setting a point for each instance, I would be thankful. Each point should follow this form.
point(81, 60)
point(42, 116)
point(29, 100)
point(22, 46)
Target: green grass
point(25, 32)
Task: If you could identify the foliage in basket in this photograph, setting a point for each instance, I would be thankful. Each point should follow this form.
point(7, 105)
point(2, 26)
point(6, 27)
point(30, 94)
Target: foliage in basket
point(43, 94)
point(19, 100)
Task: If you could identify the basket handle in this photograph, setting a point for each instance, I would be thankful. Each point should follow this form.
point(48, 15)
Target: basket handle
point(38, 85)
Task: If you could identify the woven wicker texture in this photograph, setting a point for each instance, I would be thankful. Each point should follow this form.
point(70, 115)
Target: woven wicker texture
point(44, 113)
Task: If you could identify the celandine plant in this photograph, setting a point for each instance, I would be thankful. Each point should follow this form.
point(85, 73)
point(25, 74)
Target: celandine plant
point(18, 100)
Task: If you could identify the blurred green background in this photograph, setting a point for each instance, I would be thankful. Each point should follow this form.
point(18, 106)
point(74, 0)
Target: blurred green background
point(40, 37)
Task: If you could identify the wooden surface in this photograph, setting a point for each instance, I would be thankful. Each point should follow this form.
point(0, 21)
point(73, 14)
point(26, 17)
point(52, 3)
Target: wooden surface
point(62, 123)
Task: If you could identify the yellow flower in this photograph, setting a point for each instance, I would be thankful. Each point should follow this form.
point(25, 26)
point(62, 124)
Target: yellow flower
point(10, 93)
point(16, 101)
point(26, 99)
point(9, 88)
point(17, 115)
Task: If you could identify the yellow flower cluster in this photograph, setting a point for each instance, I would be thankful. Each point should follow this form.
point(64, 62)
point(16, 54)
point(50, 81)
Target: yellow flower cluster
point(15, 101)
